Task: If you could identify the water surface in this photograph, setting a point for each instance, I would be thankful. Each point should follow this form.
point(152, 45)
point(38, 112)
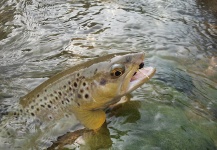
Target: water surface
point(177, 109)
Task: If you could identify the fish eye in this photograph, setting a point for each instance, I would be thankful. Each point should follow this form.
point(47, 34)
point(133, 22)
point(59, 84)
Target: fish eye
point(117, 70)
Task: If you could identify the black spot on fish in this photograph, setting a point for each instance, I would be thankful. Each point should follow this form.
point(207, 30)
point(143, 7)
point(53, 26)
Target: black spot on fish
point(8, 133)
point(128, 59)
point(141, 65)
point(67, 100)
point(81, 90)
point(37, 109)
point(45, 98)
point(50, 117)
point(64, 86)
point(79, 96)
point(75, 84)
point(78, 104)
point(60, 93)
point(42, 105)
point(21, 110)
point(51, 102)
point(51, 95)
point(84, 83)
point(95, 71)
point(56, 98)
point(32, 107)
point(102, 81)
point(55, 92)
point(66, 115)
point(86, 96)
point(32, 114)
point(62, 102)
point(15, 113)
point(70, 88)
point(78, 74)
point(45, 90)
point(69, 82)
point(38, 95)
point(49, 106)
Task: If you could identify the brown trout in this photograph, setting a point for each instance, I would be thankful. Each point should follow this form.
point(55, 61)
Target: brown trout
point(71, 100)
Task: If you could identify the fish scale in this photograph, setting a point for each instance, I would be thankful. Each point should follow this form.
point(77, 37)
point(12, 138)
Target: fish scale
point(71, 100)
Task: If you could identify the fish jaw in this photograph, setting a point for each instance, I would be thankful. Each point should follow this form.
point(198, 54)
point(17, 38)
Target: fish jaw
point(142, 76)
point(137, 75)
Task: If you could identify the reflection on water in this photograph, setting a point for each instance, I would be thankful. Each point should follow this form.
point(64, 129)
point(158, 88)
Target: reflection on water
point(175, 110)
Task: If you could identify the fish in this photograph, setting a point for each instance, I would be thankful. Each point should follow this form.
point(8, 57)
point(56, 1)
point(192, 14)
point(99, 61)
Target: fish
point(73, 99)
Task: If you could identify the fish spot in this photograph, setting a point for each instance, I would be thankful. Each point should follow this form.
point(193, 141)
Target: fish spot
point(86, 96)
point(79, 96)
point(55, 92)
point(67, 100)
point(32, 114)
point(64, 86)
point(51, 102)
point(60, 93)
point(81, 90)
point(49, 106)
point(8, 133)
point(45, 98)
point(78, 74)
point(42, 105)
point(51, 95)
point(95, 71)
point(128, 59)
point(55, 107)
point(37, 109)
point(56, 98)
point(70, 88)
point(78, 104)
point(32, 107)
point(21, 110)
point(66, 115)
point(84, 84)
point(102, 81)
point(75, 84)
point(50, 117)
point(38, 95)
point(63, 102)
point(41, 100)
point(69, 82)
point(45, 90)
point(87, 88)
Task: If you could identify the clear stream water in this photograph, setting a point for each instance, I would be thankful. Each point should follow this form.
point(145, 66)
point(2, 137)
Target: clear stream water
point(177, 109)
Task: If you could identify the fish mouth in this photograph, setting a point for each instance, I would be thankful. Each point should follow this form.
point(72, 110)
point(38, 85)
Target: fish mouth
point(140, 76)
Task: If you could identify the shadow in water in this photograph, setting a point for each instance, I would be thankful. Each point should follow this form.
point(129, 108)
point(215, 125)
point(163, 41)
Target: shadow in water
point(101, 138)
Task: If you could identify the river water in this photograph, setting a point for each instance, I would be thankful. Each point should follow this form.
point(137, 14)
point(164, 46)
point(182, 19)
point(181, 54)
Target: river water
point(177, 109)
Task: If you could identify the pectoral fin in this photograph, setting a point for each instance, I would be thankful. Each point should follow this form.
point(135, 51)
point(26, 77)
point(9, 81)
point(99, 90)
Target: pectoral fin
point(91, 119)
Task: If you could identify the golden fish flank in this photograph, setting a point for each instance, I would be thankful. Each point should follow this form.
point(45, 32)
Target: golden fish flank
point(85, 90)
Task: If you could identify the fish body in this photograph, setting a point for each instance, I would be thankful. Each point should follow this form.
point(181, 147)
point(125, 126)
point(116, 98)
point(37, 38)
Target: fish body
point(72, 99)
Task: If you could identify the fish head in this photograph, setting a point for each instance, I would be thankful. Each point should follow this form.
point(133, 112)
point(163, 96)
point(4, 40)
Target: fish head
point(118, 77)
